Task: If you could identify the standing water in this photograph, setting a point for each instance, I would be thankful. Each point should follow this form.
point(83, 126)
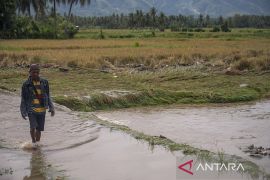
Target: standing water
point(218, 128)
point(74, 148)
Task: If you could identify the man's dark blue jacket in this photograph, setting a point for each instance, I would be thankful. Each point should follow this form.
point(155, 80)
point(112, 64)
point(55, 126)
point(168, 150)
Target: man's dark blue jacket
point(27, 96)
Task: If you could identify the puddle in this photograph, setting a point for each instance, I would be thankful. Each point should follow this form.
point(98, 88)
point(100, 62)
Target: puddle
point(76, 149)
point(215, 128)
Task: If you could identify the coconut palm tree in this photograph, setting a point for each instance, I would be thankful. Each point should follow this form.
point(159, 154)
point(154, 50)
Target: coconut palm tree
point(75, 2)
point(58, 2)
point(38, 6)
point(153, 13)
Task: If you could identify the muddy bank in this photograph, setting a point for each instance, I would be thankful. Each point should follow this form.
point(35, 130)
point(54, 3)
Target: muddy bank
point(216, 128)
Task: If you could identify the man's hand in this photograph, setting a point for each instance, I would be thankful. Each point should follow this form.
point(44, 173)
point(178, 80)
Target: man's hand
point(24, 117)
point(52, 112)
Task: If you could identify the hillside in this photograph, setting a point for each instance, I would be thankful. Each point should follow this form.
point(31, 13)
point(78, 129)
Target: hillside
point(173, 7)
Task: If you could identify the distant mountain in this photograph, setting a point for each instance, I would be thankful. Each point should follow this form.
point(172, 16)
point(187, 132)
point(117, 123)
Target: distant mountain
point(173, 7)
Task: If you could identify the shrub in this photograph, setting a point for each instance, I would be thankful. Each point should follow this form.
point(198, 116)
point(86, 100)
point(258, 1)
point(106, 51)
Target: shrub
point(184, 29)
point(199, 30)
point(224, 27)
point(67, 29)
point(101, 35)
point(175, 27)
point(215, 29)
point(161, 29)
point(243, 64)
point(27, 27)
point(263, 64)
point(136, 44)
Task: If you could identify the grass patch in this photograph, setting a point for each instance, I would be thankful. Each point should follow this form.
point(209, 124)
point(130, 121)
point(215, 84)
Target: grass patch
point(10, 48)
point(72, 103)
point(242, 33)
point(155, 97)
point(88, 89)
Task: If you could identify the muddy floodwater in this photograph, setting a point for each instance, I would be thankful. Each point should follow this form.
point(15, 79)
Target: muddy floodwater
point(218, 128)
point(75, 148)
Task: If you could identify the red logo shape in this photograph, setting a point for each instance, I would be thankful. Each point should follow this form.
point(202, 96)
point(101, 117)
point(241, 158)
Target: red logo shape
point(185, 170)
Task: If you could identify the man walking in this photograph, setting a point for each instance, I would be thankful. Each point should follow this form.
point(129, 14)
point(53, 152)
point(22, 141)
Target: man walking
point(35, 99)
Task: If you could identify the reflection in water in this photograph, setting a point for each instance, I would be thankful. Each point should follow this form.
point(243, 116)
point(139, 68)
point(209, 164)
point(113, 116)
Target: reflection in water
point(37, 165)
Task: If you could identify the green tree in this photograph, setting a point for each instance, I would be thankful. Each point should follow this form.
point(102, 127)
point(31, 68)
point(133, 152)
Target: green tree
point(200, 21)
point(38, 6)
point(153, 13)
point(7, 14)
point(147, 20)
point(161, 21)
point(207, 20)
point(58, 2)
point(131, 21)
point(220, 20)
point(225, 27)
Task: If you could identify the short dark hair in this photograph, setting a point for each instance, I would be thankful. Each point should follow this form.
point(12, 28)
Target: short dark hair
point(34, 67)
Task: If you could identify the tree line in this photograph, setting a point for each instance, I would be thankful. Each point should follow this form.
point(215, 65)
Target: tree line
point(155, 19)
point(39, 19)
point(36, 19)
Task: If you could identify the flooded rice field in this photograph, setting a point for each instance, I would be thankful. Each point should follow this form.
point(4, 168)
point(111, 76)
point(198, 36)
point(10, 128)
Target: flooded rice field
point(218, 128)
point(75, 148)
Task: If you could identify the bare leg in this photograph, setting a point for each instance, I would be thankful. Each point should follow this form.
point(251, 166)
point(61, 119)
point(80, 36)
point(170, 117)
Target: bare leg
point(33, 135)
point(38, 135)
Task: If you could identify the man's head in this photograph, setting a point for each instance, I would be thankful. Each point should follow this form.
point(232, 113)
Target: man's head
point(34, 71)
